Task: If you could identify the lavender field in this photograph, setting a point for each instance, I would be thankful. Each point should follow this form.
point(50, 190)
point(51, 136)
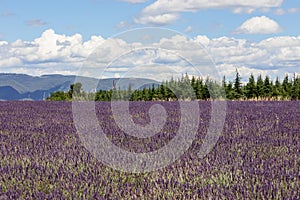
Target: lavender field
point(256, 157)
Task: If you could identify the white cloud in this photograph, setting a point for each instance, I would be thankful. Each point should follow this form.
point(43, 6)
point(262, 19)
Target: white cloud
point(117, 75)
point(202, 40)
point(229, 70)
point(134, 1)
point(161, 19)
point(280, 42)
point(122, 24)
point(259, 25)
point(11, 61)
point(293, 10)
point(188, 29)
point(280, 11)
point(276, 55)
point(241, 10)
point(49, 50)
point(160, 6)
point(2, 43)
point(57, 53)
point(171, 8)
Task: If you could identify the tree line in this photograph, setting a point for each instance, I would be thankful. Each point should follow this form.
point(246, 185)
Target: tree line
point(186, 88)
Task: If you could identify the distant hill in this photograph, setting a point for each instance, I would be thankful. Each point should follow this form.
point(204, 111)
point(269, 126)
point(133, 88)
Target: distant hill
point(26, 87)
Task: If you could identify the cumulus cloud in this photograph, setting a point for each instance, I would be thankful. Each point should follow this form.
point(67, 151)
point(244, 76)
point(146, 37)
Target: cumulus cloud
point(194, 5)
point(259, 25)
point(134, 1)
point(240, 10)
point(47, 51)
point(276, 55)
point(160, 19)
point(2, 43)
point(171, 9)
point(58, 53)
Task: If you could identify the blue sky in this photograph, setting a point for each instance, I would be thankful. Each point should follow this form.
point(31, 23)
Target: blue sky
point(250, 27)
point(28, 19)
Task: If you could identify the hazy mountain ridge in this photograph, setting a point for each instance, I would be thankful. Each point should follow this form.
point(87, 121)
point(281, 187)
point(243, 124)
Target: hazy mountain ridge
point(22, 86)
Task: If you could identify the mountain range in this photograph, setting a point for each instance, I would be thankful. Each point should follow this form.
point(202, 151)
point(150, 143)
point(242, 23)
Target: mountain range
point(26, 87)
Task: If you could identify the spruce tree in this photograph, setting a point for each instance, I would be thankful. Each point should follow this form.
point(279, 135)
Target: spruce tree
point(277, 90)
point(205, 91)
point(267, 87)
point(259, 87)
point(230, 93)
point(295, 88)
point(251, 88)
point(287, 87)
point(199, 88)
point(237, 85)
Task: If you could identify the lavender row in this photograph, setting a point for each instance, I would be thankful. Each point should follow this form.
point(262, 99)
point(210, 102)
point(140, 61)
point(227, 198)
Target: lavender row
point(256, 157)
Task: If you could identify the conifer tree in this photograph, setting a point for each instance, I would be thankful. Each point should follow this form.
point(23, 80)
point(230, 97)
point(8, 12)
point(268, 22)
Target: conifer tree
point(237, 85)
point(277, 90)
point(267, 87)
point(259, 87)
point(295, 88)
point(287, 87)
point(251, 88)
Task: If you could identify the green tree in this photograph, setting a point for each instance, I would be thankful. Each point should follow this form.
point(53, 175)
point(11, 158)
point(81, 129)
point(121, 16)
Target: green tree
point(230, 93)
point(57, 96)
point(199, 88)
point(224, 84)
point(286, 87)
point(251, 88)
point(75, 90)
point(205, 90)
point(259, 87)
point(267, 88)
point(237, 85)
point(295, 88)
point(277, 89)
